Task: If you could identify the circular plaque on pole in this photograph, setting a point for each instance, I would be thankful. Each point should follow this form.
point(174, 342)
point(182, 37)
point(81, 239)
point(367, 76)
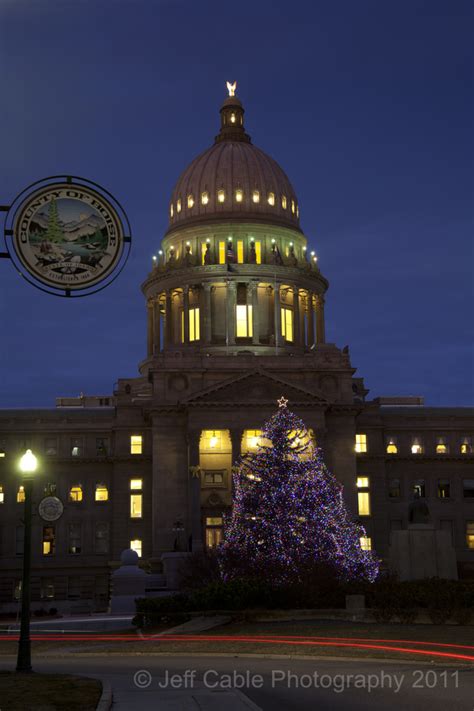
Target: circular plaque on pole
point(50, 508)
point(67, 236)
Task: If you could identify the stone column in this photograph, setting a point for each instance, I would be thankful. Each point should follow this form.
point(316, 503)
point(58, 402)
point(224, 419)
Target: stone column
point(296, 316)
point(206, 315)
point(194, 437)
point(231, 303)
point(301, 312)
point(252, 299)
point(168, 320)
point(310, 320)
point(320, 325)
point(156, 326)
point(149, 347)
point(186, 313)
point(277, 310)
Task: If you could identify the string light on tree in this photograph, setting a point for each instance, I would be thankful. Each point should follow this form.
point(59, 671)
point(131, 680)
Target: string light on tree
point(288, 512)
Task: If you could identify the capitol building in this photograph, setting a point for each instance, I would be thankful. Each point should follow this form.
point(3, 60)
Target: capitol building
point(235, 319)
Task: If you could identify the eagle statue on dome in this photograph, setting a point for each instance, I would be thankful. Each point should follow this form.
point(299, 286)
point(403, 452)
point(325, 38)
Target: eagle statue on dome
point(231, 88)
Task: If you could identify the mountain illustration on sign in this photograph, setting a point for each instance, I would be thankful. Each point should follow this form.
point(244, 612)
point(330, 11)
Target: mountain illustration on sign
point(68, 236)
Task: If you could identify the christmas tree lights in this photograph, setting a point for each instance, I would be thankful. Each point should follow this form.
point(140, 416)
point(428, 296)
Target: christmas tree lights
point(288, 512)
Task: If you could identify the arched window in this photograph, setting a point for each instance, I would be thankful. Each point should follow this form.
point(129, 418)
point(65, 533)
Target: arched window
point(256, 196)
point(75, 493)
point(171, 210)
point(20, 497)
point(190, 201)
point(239, 195)
point(221, 196)
point(271, 199)
point(178, 205)
point(392, 446)
point(204, 197)
point(101, 492)
point(283, 201)
point(293, 207)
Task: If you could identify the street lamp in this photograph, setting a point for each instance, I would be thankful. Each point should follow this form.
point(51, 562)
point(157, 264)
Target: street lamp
point(27, 466)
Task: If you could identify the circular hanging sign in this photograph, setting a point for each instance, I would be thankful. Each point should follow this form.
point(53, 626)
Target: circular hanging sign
point(50, 508)
point(67, 236)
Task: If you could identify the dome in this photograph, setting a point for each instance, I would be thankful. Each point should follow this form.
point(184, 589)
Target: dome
point(233, 180)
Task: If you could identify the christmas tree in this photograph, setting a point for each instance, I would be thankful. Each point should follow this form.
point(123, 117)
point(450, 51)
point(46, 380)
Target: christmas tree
point(288, 512)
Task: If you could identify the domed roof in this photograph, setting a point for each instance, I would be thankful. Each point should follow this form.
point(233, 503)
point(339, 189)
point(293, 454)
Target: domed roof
point(233, 180)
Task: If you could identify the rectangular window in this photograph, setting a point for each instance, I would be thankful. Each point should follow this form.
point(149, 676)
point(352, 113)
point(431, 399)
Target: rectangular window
point(287, 323)
point(214, 477)
point(363, 495)
point(244, 321)
point(135, 505)
point(468, 488)
point(77, 446)
point(203, 252)
point(74, 538)
point(361, 443)
point(366, 543)
point(470, 534)
point(258, 252)
point(419, 488)
point(2, 495)
point(136, 484)
point(101, 544)
point(47, 589)
point(20, 496)
point(444, 489)
point(101, 492)
point(416, 446)
point(50, 446)
point(19, 540)
point(466, 445)
point(222, 251)
point(49, 540)
point(213, 531)
point(136, 444)
point(394, 489)
point(73, 587)
point(136, 545)
point(101, 446)
point(194, 328)
point(392, 447)
point(240, 251)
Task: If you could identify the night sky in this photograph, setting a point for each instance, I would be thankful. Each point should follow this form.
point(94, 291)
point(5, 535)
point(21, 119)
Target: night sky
point(368, 108)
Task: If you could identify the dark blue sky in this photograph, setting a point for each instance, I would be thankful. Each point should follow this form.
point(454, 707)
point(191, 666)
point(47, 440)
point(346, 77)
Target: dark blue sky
point(366, 105)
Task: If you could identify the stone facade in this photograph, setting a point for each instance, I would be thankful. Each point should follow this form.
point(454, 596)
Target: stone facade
point(235, 320)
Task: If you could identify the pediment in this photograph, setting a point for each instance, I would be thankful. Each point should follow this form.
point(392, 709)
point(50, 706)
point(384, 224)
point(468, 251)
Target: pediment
point(253, 388)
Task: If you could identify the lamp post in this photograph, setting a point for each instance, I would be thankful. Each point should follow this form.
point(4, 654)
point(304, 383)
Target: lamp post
point(27, 465)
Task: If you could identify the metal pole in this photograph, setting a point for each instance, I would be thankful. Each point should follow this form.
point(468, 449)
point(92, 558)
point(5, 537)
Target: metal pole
point(23, 663)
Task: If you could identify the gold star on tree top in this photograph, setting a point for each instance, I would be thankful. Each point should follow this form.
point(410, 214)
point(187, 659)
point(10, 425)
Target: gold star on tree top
point(282, 402)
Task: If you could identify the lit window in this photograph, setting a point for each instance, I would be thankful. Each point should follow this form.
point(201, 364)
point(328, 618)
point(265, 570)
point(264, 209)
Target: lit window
point(239, 195)
point(101, 492)
point(75, 493)
point(394, 488)
point(212, 440)
point(366, 543)
point(171, 210)
point(232, 118)
point(468, 488)
point(214, 477)
point(258, 252)
point(240, 252)
point(203, 252)
point(20, 497)
point(392, 446)
point(441, 446)
point(470, 534)
point(136, 545)
point(222, 252)
point(204, 197)
point(419, 489)
point(49, 540)
point(77, 447)
point(361, 443)
point(244, 321)
point(363, 496)
point(194, 327)
point(466, 445)
point(443, 488)
point(293, 207)
point(190, 201)
point(416, 446)
point(287, 323)
point(283, 201)
point(2, 495)
point(251, 440)
point(297, 211)
point(256, 196)
point(136, 444)
point(271, 198)
point(213, 531)
point(221, 195)
point(178, 205)
point(135, 505)
point(136, 484)
point(2, 453)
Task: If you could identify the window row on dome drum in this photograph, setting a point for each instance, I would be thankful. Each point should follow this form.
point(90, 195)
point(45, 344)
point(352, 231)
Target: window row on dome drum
point(286, 203)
